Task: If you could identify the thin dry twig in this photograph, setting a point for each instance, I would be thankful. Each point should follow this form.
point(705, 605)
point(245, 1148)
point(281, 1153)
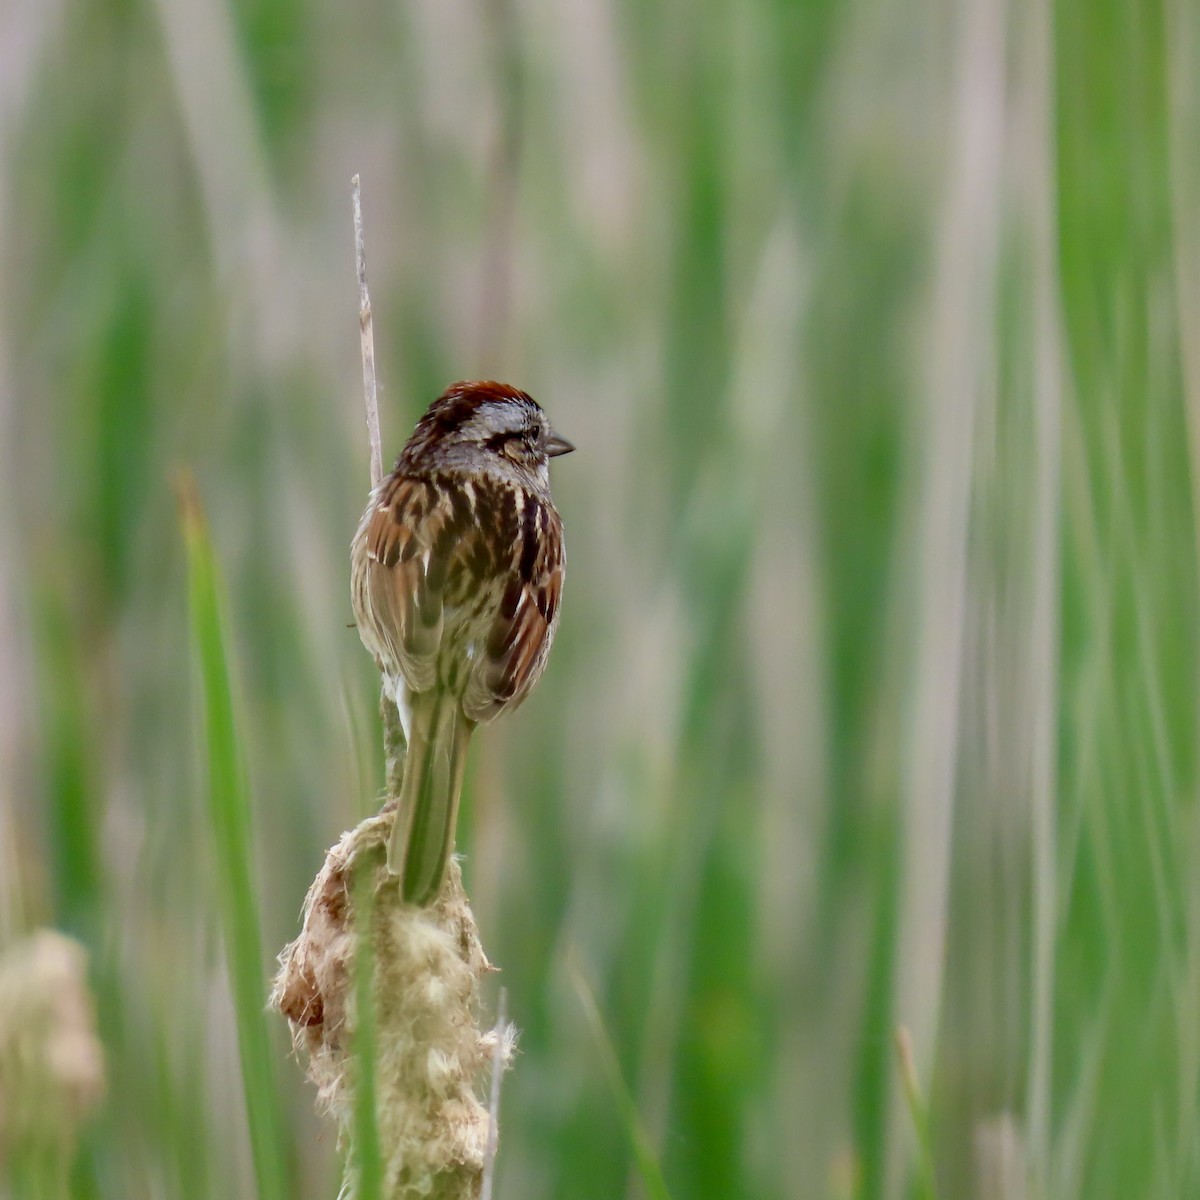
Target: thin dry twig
point(367, 336)
point(498, 1064)
point(393, 736)
point(425, 966)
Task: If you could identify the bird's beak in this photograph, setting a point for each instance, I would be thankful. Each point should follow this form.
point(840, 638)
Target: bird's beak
point(556, 445)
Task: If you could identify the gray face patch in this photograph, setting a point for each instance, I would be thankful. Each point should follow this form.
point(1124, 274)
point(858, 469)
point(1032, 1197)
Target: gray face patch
point(499, 417)
point(502, 439)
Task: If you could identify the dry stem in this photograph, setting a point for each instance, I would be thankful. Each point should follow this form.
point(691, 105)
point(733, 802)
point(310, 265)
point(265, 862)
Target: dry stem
point(51, 1061)
point(435, 1138)
point(429, 1053)
point(366, 329)
point(501, 1048)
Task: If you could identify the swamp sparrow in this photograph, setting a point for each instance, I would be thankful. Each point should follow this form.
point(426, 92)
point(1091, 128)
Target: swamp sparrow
point(456, 573)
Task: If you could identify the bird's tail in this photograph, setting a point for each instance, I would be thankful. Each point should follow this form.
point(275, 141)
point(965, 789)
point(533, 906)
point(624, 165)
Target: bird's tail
point(422, 837)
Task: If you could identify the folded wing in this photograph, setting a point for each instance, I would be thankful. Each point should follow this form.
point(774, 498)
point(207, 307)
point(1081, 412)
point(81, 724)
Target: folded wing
point(514, 655)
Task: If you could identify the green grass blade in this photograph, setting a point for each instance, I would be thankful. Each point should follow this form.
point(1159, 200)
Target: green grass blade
point(925, 1188)
point(643, 1151)
point(229, 811)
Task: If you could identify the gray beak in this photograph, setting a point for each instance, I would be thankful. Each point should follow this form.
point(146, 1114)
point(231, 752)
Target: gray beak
point(556, 445)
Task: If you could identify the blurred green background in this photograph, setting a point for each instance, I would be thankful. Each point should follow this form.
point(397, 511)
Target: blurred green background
point(874, 701)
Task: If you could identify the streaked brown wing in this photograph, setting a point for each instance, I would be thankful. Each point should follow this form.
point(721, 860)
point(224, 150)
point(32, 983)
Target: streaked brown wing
point(409, 539)
point(523, 628)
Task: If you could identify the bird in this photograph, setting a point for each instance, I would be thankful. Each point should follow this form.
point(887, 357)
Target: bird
point(457, 571)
